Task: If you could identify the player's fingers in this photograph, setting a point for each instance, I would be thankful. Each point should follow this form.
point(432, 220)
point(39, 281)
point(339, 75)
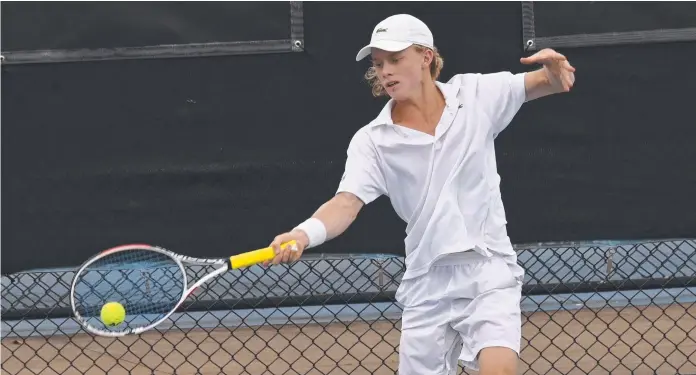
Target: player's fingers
point(549, 54)
point(534, 59)
point(295, 256)
point(567, 84)
point(287, 254)
point(280, 242)
point(282, 250)
point(568, 67)
point(279, 258)
point(275, 259)
point(276, 245)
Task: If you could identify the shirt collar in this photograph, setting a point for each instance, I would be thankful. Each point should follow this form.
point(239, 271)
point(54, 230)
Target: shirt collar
point(449, 91)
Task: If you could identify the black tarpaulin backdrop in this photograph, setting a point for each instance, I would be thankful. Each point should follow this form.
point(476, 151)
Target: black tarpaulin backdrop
point(66, 25)
point(215, 156)
point(591, 17)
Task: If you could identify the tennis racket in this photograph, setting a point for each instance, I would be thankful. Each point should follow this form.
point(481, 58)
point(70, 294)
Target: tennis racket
point(149, 282)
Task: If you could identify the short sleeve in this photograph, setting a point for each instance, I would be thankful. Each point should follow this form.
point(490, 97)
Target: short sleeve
point(501, 96)
point(362, 175)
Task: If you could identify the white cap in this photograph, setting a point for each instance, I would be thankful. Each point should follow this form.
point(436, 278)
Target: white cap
point(396, 33)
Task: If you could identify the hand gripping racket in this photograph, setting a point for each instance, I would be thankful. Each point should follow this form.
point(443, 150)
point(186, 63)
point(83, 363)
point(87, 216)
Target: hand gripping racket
point(149, 282)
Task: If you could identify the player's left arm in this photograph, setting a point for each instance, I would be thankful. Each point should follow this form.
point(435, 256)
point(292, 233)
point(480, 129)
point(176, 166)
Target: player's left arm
point(555, 76)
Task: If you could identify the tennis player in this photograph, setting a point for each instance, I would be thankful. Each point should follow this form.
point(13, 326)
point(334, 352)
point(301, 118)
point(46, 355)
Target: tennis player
point(431, 151)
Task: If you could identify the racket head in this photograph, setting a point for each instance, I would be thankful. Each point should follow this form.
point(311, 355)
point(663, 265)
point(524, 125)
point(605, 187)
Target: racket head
point(148, 281)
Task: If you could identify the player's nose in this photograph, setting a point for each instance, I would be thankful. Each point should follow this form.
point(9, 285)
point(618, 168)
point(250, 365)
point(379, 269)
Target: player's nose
point(387, 70)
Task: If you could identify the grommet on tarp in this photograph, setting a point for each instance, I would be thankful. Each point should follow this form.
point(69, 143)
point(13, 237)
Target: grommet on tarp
point(529, 44)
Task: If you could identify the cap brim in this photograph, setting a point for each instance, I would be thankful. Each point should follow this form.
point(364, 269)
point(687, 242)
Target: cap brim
point(386, 45)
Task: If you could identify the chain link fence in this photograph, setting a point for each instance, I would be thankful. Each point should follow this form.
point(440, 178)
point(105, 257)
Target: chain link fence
point(589, 308)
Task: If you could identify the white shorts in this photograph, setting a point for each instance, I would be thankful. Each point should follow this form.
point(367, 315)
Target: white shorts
point(456, 309)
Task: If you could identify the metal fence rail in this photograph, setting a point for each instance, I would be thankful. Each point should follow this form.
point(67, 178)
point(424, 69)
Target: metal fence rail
point(599, 307)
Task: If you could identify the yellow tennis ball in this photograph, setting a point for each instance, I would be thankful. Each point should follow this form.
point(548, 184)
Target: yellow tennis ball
point(113, 314)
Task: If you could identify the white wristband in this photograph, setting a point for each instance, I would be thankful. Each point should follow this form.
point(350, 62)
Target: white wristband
point(316, 231)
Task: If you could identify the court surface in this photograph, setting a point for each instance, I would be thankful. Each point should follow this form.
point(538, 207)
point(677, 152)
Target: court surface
point(651, 340)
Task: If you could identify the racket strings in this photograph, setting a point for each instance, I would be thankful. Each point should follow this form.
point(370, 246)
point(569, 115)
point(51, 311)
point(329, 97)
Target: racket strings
point(147, 283)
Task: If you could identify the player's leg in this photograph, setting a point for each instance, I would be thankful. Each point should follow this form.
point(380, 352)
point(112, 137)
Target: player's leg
point(428, 344)
point(498, 360)
point(490, 323)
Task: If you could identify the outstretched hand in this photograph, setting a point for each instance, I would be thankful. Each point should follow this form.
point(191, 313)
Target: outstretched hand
point(556, 66)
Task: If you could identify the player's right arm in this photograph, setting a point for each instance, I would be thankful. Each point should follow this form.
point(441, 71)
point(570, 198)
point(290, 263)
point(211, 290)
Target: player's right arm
point(362, 183)
point(335, 216)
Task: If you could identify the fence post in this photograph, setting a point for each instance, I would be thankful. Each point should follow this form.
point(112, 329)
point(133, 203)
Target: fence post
point(380, 272)
point(610, 261)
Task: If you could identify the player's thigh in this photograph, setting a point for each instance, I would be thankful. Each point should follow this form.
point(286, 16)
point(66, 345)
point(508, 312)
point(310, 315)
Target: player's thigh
point(498, 360)
point(428, 344)
point(493, 318)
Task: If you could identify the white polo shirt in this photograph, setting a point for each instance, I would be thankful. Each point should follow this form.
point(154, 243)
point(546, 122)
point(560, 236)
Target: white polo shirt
point(446, 187)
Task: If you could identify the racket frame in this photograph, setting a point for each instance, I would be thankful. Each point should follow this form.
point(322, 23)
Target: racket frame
point(223, 263)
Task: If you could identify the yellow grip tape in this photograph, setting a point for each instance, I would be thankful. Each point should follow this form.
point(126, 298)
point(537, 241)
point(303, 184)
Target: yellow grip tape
point(256, 256)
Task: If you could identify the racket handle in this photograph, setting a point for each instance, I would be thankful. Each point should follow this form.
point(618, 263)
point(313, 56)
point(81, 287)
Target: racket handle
point(253, 257)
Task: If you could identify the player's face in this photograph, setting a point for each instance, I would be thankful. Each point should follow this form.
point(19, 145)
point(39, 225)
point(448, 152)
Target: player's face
point(401, 73)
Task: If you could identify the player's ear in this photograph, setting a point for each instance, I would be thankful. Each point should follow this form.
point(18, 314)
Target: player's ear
point(428, 57)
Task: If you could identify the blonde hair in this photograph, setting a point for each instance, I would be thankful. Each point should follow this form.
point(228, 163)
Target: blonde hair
point(435, 69)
